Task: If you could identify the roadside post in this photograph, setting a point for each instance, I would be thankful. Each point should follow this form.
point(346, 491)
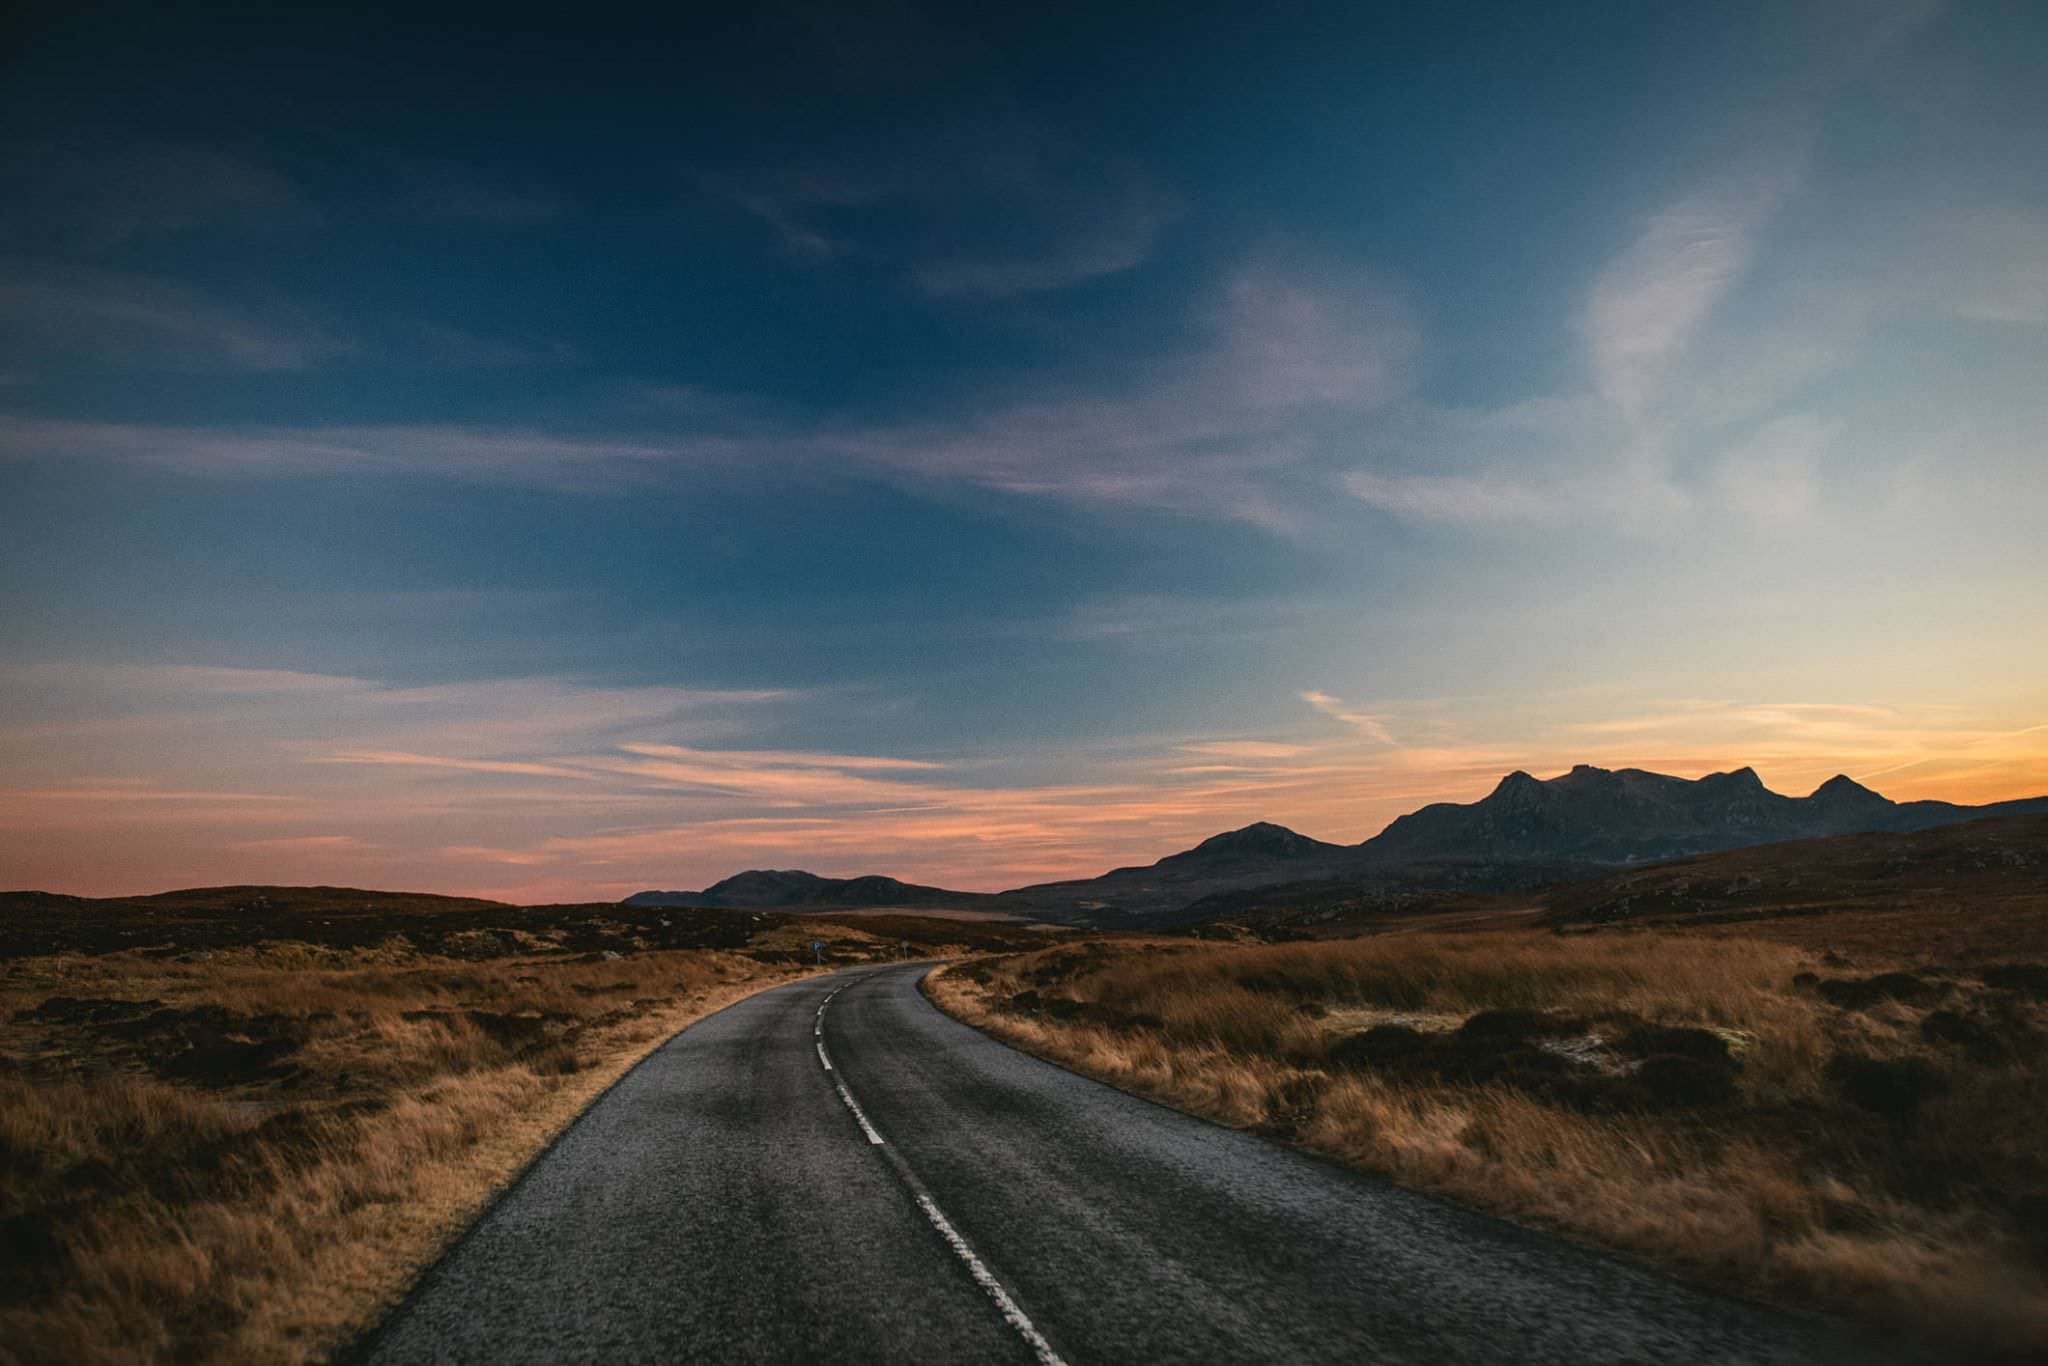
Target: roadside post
point(817, 951)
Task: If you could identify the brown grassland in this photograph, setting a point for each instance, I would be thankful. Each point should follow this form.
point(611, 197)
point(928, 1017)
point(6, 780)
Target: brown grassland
point(248, 1151)
point(1861, 1132)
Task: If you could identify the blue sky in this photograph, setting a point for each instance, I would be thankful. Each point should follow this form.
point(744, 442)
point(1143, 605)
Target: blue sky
point(551, 458)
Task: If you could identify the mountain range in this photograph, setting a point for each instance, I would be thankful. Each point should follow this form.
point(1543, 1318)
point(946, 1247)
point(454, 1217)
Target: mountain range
point(1525, 832)
point(1597, 815)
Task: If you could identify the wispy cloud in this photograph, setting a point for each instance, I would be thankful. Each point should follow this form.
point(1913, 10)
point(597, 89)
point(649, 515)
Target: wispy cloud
point(457, 196)
point(122, 790)
point(783, 213)
point(205, 679)
point(468, 454)
point(779, 778)
point(1109, 239)
point(1668, 378)
point(1989, 264)
point(385, 758)
point(1371, 725)
point(1297, 329)
point(1451, 498)
point(1213, 432)
point(1624, 455)
point(1649, 302)
point(780, 758)
point(483, 853)
point(489, 717)
point(305, 844)
point(1147, 618)
point(996, 211)
point(1245, 749)
point(108, 195)
point(142, 322)
point(1775, 475)
point(71, 818)
point(445, 724)
point(455, 349)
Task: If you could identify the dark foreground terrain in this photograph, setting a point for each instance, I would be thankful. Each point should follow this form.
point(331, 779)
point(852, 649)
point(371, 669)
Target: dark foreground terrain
point(235, 1122)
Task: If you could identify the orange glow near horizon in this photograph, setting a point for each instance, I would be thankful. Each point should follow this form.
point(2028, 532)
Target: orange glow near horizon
point(545, 791)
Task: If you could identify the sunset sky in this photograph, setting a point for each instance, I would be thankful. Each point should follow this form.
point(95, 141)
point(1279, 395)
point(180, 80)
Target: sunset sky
point(553, 459)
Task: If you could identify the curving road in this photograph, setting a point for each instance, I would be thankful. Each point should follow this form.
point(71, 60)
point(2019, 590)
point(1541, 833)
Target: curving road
point(869, 1180)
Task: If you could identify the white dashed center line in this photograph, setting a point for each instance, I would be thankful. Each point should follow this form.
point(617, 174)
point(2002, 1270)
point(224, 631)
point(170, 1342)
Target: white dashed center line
point(825, 1059)
point(986, 1279)
point(858, 1113)
point(983, 1277)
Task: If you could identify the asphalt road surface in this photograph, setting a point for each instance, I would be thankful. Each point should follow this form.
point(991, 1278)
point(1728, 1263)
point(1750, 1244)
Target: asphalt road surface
point(869, 1180)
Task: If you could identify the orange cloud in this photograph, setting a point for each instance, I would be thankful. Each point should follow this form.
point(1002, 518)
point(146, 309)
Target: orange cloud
point(400, 759)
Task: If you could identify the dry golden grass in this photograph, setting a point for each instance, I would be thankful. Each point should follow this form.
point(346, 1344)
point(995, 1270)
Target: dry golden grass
point(1927, 1218)
point(171, 1188)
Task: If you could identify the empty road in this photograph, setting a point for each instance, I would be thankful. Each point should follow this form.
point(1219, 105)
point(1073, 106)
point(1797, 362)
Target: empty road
point(836, 1171)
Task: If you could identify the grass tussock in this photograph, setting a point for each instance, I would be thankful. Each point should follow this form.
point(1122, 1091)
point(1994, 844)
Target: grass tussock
point(1749, 1113)
point(249, 1158)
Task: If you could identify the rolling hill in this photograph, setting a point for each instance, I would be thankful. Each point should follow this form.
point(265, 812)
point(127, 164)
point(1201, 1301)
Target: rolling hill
point(765, 888)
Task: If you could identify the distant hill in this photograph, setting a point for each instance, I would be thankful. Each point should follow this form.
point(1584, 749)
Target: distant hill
point(1260, 843)
point(762, 888)
point(1255, 855)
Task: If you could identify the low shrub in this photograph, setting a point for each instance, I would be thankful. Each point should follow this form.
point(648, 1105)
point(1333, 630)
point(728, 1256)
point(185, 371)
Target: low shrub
point(1682, 1081)
point(1892, 1088)
point(1977, 1039)
point(2029, 979)
point(1700, 1045)
point(1388, 1047)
